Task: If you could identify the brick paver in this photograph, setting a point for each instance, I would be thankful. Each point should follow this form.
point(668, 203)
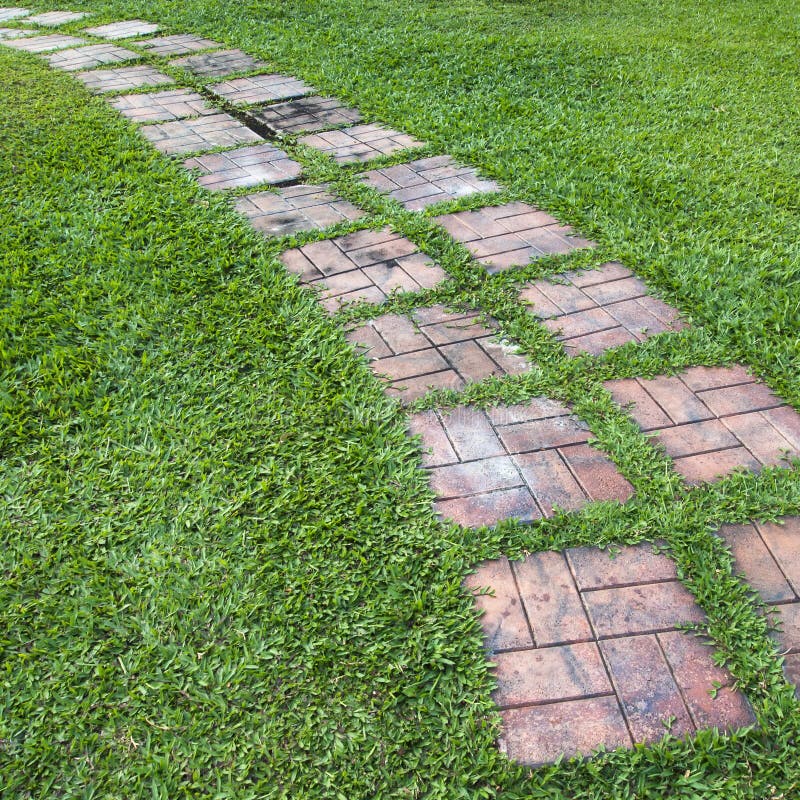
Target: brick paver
point(13, 12)
point(203, 133)
point(123, 79)
point(246, 166)
point(296, 208)
point(567, 683)
point(367, 265)
point(15, 33)
point(56, 18)
point(593, 310)
point(41, 44)
point(123, 30)
point(518, 461)
point(219, 64)
point(712, 420)
point(360, 143)
point(172, 104)
point(432, 347)
point(510, 235)
point(92, 56)
point(768, 556)
point(177, 45)
point(305, 115)
point(260, 89)
point(422, 183)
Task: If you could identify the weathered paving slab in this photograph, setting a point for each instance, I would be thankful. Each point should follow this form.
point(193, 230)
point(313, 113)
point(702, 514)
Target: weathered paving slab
point(15, 33)
point(587, 653)
point(435, 348)
point(177, 44)
point(295, 209)
point(94, 55)
point(518, 461)
point(367, 265)
point(194, 135)
point(56, 18)
point(422, 183)
point(123, 79)
point(259, 89)
point(246, 166)
point(712, 420)
point(13, 12)
point(123, 30)
point(511, 235)
point(218, 64)
point(172, 104)
point(360, 143)
point(593, 310)
point(41, 44)
point(305, 115)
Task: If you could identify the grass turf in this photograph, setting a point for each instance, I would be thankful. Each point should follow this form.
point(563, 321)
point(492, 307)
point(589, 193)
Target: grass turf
point(221, 574)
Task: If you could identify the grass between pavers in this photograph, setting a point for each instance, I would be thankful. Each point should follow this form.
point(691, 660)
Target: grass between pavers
point(210, 470)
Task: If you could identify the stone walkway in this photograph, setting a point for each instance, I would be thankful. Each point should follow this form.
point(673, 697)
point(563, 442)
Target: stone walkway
point(588, 650)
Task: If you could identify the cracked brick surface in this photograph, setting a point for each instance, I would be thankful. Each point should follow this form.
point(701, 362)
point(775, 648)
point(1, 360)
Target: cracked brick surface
point(41, 44)
point(518, 461)
point(305, 115)
point(360, 143)
point(593, 310)
point(511, 235)
point(123, 30)
point(434, 348)
point(587, 653)
point(366, 265)
point(296, 208)
point(260, 89)
point(712, 420)
point(246, 166)
point(123, 79)
point(422, 183)
point(767, 554)
point(172, 104)
point(218, 64)
point(13, 12)
point(92, 56)
point(177, 45)
point(56, 18)
point(203, 133)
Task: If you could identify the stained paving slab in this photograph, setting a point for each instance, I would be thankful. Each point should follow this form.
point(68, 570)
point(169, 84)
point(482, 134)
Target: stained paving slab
point(244, 167)
point(360, 143)
point(305, 115)
point(94, 55)
point(177, 44)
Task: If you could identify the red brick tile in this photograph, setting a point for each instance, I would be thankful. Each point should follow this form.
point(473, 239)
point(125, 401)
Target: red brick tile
point(610, 271)
point(436, 447)
point(791, 668)
point(534, 409)
point(566, 298)
point(327, 257)
point(639, 321)
point(786, 619)
point(787, 422)
point(596, 343)
point(471, 433)
point(410, 389)
point(644, 410)
point(680, 403)
point(650, 698)
point(699, 378)
point(784, 543)
point(507, 356)
point(551, 600)
point(541, 434)
point(470, 361)
point(368, 341)
point(567, 672)
point(296, 262)
point(708, 467)
point(486, 475)
point(596, 473)
point(540, 304)
point(763, 440)
point(581, 323)
point(490, 508)
point(595, 568)
point(409, 365)
point(696, 437)
point(399, 333)
point(455, 329)
point(614, 291)
point(550, 481)
point(739, 399)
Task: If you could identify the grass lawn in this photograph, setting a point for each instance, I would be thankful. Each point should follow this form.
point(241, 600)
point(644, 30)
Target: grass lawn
point(221, 573)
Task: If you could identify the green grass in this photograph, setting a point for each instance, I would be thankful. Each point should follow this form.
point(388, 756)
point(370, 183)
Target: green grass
point(221, 574)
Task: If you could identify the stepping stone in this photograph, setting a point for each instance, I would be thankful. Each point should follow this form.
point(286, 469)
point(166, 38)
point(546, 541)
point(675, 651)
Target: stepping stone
point(259, 89)
point(194, 135)
point(360, 143)
point(295, 209)
point(367, 265)
point(712, 420)
point(511, 235)
point(15, 33)
point(593, 310)
point(88, 57)
point(247, 166)
point(587, 653)
point(177, 45)
point(163, 106)
point(55, 18)
point(123, 30)
point(41, 44)
point(305, 115)
point(219, 64)
point(422, 183)
point(13, 12)
point(434, 348)
point(518, 461)
point(768, 555)
point(123, 79)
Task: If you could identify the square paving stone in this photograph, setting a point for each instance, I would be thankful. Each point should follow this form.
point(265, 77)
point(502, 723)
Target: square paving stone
point(172, 104)
point(422, 183)
point(55, 18)
point(41, 44)
point(593, 310)
point(712, 420)
point(518, 461)
point(13, 12)
point(434, 348)
point(219, 63)
point(366, 265)
point(122, 79)
point(360, 143)
point(92, 56)
point(305, 115)
point(295, 209)
point(177, 45)
point(511, 235)
point(587, 653)
point(123, 30)
point(203, 133)
point(15, 33)
point(246, 166)
point(260, 89)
